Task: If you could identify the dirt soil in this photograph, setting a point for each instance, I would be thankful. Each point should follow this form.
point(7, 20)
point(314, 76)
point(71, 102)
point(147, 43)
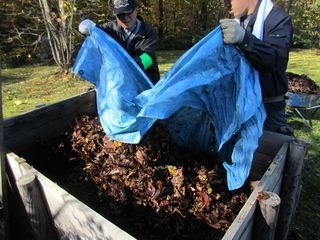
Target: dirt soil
point(302, 84)
point(152, 190)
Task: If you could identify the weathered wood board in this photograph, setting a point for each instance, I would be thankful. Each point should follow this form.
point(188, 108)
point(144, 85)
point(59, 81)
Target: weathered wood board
point(72, 218)
point(46, 123)
point(242, 226)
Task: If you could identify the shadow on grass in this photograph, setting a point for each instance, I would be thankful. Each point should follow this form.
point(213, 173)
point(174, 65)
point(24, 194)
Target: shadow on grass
point(300, 124)
point(302, 50)
point(10, 78)
point(28, 74)
point(169, 57)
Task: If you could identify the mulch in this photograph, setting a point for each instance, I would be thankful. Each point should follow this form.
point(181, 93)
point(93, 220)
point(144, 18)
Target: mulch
point(302, 84)
point(184, 189)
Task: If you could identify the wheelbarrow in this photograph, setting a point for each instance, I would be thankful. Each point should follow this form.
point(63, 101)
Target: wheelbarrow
point(305, 105)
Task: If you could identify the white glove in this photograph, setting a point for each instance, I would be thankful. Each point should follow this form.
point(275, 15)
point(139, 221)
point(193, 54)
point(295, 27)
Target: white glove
point(86, 26)
point(232, 32)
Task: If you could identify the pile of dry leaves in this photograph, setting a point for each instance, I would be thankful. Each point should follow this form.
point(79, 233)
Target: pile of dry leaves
point(302, 84)
point(158, 174)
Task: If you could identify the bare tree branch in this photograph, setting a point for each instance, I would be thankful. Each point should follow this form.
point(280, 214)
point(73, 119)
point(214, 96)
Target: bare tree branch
point(58, 17)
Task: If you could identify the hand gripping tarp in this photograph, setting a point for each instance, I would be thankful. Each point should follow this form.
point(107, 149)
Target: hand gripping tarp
point(211, 78)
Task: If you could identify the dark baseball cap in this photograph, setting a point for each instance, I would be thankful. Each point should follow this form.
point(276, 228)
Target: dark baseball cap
point(123, 6)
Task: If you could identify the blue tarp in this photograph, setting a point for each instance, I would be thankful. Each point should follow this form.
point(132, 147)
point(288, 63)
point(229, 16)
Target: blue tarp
point(211, 84)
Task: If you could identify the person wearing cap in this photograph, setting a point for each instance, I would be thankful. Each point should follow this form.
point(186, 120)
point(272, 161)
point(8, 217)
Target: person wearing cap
point(137, 37)
point(269, 56)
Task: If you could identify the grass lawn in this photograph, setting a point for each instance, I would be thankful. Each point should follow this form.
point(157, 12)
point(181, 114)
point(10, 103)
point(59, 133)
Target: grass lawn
point(305, 62)
point(24, 88)
point(27, 87)
point(307, 224)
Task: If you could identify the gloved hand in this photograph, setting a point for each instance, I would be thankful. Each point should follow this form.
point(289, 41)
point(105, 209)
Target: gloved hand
point(86, 26)
point(232, 32)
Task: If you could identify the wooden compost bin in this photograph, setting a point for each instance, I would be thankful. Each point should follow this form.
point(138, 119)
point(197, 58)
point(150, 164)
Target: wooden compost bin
point(52, 212)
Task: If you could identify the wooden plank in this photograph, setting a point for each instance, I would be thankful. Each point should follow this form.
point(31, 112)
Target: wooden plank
point(79, 103)
point(291, 187)
point(18, 215)
point(41, 114)
point(46, 123)
point(266, 215)
point(260, 164)
point(36, 208)
point(271, 142)
point(72, 218)
point(277, 187)
point(247, 232)
point(267, 183)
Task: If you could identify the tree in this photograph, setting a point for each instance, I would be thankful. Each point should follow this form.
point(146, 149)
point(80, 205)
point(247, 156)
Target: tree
point(30, 33)
point(161, 18)
point(57, 16)
point(306, 23)
point(20, 31)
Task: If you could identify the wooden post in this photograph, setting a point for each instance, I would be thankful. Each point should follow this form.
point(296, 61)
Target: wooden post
point(266, 215)
point(36, 207)
point(4, 214)
point(291, 187)
point(242, 227)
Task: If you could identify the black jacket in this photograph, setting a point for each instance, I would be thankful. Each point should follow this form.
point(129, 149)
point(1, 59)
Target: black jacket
point(145, 41)
point(270, 56)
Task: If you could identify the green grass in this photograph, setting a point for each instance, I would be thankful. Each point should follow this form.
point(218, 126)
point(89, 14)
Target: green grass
point(307, 62)
point(24, 88)
point(307, 224)
point(166, 59)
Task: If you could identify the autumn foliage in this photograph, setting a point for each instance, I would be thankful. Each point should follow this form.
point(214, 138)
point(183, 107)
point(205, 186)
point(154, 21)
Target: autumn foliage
point(158, 174)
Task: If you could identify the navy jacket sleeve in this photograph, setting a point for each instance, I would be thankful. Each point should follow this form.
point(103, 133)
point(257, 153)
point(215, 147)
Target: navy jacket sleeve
point(147, 45)
point(270, 56)
point(273, 51)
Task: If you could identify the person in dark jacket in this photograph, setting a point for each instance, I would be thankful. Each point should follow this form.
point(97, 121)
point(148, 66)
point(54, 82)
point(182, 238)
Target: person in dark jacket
point(138, 38)
point(269, 56)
